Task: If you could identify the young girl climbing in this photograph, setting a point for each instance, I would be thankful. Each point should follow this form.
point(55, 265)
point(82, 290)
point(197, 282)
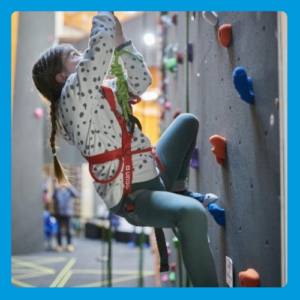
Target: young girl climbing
point(146, 186)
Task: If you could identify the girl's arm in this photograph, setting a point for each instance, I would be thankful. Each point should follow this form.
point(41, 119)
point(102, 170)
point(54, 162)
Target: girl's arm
point(138, 75)
point(85, 83)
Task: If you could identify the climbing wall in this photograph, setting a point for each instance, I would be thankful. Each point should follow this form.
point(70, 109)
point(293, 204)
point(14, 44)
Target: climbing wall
point(248, 182)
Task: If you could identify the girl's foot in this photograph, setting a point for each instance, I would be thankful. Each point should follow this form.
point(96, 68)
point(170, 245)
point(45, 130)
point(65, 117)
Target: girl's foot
point(205, 199)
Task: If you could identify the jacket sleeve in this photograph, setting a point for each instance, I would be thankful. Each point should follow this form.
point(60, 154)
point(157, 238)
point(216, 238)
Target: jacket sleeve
point(138, 75)
point(85, 83)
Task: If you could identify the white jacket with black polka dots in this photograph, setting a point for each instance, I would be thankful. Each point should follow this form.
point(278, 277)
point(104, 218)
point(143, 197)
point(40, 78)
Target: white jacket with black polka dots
point(85, 118)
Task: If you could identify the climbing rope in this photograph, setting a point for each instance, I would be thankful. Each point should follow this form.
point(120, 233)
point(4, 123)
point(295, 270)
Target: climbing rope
point(122, 88)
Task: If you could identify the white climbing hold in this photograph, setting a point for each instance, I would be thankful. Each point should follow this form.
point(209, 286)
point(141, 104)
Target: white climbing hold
point(209, 198)
point(211, 17)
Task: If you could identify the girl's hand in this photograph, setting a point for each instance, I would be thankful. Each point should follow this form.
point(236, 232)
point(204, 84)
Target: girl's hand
point(120, 39)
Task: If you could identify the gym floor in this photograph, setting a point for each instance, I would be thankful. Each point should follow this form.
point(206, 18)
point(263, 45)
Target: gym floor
point(85, 267)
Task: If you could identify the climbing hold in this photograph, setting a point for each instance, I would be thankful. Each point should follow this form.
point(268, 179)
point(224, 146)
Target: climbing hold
point(38, 112)
point(194, 162)
point(243, 85)
point(225, 35)
point(179, 57)
point(219, 149)
point(176, 113)
point(174, 19)
point(211, 17)
point(190, 52)
point(162, 116)
point(165, 278)
point(217, 213)
point(219, 161)
point(171, 64)
point(169, 58)
point(172, 277)
point(166, 20)
point(175, 242)
point(249, 278)
point(167, 105)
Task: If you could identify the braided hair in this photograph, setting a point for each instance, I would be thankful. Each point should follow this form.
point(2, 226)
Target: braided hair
point(50, 63)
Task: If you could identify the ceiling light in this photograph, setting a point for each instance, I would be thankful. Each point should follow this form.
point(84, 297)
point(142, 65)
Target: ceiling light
point(149, 39)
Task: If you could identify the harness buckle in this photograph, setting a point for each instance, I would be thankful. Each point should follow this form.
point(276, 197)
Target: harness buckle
point(127, 151)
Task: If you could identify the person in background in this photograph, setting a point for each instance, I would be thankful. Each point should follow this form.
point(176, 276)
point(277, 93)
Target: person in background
point(64, 210)
point(50, 227)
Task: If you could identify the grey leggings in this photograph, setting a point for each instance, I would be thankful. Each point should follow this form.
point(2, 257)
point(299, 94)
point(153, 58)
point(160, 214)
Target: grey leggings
point(159, 207)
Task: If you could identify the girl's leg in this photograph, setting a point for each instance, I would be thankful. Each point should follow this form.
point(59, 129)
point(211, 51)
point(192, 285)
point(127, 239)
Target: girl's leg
point(168, 210)
point(175, 148)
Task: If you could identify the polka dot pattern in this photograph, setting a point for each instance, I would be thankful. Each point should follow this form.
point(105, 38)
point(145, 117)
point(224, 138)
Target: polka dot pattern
point(86, 119)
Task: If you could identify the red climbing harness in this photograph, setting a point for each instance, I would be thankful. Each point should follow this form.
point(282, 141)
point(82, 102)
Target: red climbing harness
point(124, 154)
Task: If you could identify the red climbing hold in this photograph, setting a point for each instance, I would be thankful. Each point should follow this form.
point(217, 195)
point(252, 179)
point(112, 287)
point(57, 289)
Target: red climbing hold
point(174, 19)
point(179, 57)
point(249, 278)
point(219, 149)
point(225, 34)
point(176, 113)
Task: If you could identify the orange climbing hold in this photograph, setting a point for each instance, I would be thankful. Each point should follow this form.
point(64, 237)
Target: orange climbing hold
point(249, 278)
point(219, 149)
point(225, 35)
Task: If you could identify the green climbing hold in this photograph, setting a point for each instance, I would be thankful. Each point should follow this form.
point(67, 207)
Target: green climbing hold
point(176, 242)
point(172, 277)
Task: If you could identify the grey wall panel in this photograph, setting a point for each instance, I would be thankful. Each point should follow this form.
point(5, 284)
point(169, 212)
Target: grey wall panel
point(135, 30)
point(248, 185)
point(27, 136)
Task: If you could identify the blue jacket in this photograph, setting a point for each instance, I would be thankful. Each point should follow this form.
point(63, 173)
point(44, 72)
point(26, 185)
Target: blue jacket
point(63, 202)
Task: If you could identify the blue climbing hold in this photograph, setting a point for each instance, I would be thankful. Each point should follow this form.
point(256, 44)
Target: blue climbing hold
point(243, 85)
point(217, 213)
